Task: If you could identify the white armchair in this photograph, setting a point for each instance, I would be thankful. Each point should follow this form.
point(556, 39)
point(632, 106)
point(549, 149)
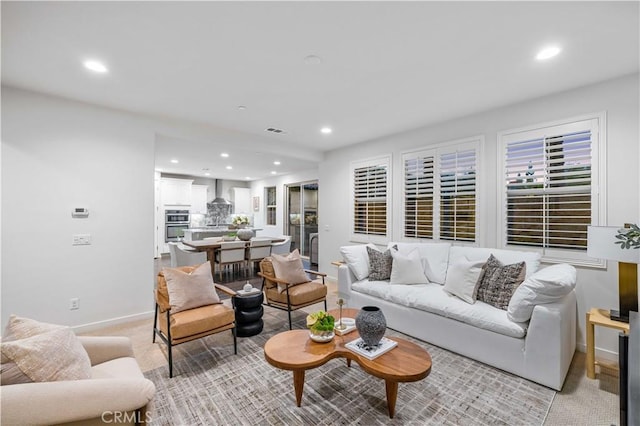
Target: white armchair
point(117, 388)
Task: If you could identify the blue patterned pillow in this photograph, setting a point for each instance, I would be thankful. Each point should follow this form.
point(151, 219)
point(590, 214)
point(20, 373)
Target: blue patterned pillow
point(379, 264)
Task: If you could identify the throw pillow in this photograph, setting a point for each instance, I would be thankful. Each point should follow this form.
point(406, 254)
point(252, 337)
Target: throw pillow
point(545, 286)
point(20, 328)
point(407, 268)
point(357, 259)
point(497, 282)
point(462, 278)
point(51, 356)
point(289, 268)
point(190, 290)
point(10, 374)
point(379, 264)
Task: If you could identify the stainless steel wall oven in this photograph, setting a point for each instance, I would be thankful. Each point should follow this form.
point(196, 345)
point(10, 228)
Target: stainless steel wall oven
point(176, 221)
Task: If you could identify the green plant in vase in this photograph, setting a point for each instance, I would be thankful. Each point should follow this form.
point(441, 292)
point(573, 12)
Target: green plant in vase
point(321, 324)
point(629, 237)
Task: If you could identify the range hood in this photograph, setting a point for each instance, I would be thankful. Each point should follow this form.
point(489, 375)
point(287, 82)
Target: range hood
point(219, 200)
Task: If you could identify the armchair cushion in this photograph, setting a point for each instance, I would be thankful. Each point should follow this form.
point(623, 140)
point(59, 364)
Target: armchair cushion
point(188, 290)
point(298, 294)
point(193, 322)
point(52, 356)
point(289, 268)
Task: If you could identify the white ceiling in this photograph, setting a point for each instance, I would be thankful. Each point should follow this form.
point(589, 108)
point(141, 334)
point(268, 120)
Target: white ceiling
point(385, 67)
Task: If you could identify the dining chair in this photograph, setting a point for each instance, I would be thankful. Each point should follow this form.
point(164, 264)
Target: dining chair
point(283, 247)
point(182, 257)
point(230, 253)
point(258, 249)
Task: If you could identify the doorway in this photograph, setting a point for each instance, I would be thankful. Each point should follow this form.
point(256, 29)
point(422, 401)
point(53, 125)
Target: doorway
point(301, 217)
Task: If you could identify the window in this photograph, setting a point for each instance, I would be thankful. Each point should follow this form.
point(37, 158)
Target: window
point(549, 187)
point(371, 203)
point(270, 197)
point(440, 199)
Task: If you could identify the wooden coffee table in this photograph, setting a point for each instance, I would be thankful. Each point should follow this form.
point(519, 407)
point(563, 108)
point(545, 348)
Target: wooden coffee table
point(294, 350)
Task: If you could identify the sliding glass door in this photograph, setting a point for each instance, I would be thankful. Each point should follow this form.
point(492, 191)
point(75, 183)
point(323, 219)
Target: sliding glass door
point(302, 216)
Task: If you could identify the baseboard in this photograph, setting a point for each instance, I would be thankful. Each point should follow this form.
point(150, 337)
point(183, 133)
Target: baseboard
point(85, 328)
point(603, 354)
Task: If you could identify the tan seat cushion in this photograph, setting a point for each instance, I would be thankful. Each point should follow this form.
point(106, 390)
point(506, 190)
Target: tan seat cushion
point(299, 294)
point(199, 320)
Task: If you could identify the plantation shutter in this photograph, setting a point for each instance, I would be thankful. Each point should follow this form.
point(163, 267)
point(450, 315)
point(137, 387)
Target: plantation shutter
point(418, 196)
point(548, 188)
point(370, 200)
point(457, 173)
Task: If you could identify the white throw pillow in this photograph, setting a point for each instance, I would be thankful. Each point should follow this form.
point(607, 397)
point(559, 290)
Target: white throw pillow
point(435, 258)
point(407, 269)
point(357, 259)
point(462, 278)
point(545, 286)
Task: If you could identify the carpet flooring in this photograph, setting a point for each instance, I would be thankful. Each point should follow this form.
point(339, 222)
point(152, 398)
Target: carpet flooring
point(211, 385)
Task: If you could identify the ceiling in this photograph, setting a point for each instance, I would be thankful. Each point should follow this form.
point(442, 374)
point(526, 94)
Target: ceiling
point(381, 67)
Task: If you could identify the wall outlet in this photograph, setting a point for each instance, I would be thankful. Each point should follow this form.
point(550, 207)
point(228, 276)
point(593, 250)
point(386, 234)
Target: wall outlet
point(74, 303)
point(81, 240)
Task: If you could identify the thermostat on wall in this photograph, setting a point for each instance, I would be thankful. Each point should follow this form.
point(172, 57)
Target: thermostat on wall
point(80, 212)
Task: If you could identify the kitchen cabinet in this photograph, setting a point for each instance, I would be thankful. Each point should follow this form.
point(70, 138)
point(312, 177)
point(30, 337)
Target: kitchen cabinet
point(199, 199)
point(241, 199)
point(175, 192)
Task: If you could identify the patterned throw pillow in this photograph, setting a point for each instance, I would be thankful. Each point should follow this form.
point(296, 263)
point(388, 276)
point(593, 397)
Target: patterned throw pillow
point(498, 282)
point(379, 264)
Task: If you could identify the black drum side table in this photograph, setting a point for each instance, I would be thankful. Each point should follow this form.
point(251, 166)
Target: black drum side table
point(249, 312)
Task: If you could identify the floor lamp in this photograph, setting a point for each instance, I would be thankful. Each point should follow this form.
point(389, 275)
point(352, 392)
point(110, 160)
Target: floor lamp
point(601, 244)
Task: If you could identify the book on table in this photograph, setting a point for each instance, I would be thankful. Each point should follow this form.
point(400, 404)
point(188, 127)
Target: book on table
point(371, 352)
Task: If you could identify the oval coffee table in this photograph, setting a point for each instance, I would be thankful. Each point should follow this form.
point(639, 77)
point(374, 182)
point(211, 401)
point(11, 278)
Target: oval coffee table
point(293, 350)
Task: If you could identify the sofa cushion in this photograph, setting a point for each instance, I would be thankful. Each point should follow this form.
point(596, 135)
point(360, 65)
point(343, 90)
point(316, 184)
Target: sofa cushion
point(190, 290)
point(432, 298)
point(379, 264)
point(289, 268)
point(407, 269)
point(434, 256)
point(545, 286)
point(51, 356)
point(357, 259)
point(531, 259)
point(462, 279)
point(498, 282)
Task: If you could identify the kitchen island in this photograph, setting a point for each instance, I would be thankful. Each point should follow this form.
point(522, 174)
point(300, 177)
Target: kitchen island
point(197, 234)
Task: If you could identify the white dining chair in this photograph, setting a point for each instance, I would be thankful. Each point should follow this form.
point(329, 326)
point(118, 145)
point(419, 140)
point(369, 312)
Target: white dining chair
point(180, 256)
point(283, 247)
point(258, 249)
point(230, 253)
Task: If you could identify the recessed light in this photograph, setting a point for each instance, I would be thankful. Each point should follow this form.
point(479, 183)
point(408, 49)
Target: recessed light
point(229, 167)
point(95, 66)
point(312, 60)
point(174, 161)
point(548, 53)
point(326, 130)
point(241, 107)
point(273, 172)
point(277, 163)
point(247, 177)
point(224, 155)
point(207, 174)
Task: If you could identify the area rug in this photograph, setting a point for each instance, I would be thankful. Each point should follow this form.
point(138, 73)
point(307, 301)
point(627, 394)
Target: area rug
point(212, 386)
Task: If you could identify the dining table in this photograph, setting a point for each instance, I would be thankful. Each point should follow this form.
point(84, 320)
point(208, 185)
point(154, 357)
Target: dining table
point(210, 245)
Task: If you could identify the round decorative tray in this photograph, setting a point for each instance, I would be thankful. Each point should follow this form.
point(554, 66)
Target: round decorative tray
point(321, 338)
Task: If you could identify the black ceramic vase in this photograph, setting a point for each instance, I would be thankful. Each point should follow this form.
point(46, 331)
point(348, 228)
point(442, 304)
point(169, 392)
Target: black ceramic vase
point(371, 325)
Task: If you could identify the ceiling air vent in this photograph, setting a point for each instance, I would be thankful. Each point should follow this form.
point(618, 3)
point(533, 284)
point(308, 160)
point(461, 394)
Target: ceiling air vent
point(274, 130)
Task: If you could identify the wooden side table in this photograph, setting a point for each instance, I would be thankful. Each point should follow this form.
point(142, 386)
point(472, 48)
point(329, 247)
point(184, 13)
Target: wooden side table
point(599, 317)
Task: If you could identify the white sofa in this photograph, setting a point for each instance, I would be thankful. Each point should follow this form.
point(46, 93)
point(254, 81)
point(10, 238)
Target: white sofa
point(540, 349)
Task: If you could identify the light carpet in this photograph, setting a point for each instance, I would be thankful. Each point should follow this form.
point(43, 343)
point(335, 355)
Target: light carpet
point(211, 385)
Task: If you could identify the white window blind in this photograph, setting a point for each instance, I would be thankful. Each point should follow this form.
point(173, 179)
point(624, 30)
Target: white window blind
point(418, 196)
point(548, 178)
point(370, 199)
point(440, 195)
point(458, 195)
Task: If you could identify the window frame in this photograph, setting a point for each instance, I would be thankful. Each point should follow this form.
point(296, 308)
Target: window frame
point(385, 161)
point(597, 126)
point(475, 143)
point(270, 207)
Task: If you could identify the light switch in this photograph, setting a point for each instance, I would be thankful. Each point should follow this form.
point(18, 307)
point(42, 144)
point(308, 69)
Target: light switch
point(81, 239)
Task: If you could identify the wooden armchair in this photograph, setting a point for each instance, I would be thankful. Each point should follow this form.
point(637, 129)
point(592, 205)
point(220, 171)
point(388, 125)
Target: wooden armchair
point(294, 296)
point(191, 324)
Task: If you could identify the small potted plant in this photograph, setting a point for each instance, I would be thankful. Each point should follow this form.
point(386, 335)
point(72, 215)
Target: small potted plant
point(320, 326)
point(629, 237)
point(240, 221)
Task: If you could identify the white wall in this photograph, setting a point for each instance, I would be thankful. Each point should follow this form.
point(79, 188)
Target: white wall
point(58, 155)
point(619, 98)
point(257, 189)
